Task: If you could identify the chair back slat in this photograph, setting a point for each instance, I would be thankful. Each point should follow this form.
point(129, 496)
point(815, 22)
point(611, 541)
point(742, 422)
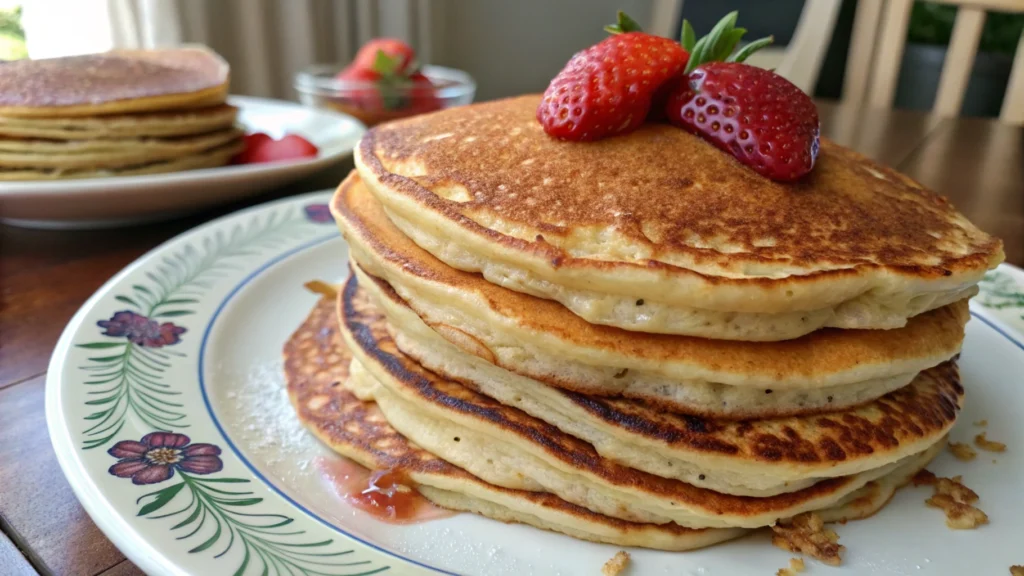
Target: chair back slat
point(956, 71)
point(862, 50)
point(890, 51)
point(806, 50)
point(1013, 102)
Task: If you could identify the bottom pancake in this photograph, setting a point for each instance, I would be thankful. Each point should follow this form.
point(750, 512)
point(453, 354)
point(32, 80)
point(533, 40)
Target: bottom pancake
point(505, 446)
point(212, 158)
point(761, 457)
point(316, 367)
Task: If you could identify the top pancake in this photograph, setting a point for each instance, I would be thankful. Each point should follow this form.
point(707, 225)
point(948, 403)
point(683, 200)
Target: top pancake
point(120, 81)
point(660, 214)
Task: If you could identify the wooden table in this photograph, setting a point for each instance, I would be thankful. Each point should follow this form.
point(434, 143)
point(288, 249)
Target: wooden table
point(45, 276)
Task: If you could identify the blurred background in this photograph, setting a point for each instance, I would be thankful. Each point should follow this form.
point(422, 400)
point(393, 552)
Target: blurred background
point(517, 47)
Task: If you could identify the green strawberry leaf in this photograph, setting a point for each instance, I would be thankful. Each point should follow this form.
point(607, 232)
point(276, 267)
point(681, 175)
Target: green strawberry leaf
point(749, 49)
point(719, 43)
point(623, 24)
point(728, 43)
point(386, 65)
point(688, 39)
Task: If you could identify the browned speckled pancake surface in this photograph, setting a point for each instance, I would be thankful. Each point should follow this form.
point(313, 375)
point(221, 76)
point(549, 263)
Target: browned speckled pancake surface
point(110, 82)
point(669, 192)
point(316, 365)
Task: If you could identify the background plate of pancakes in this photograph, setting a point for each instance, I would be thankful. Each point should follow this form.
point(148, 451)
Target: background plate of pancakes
point(133, 136)
point(198, 401)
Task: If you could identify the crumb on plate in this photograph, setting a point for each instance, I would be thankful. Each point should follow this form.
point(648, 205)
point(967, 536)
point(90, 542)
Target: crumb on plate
point(1016, 570)
point(806, 534)
point(990, 445)
point(924, 478)
point(981, 423)
point(616, 565)
point(796, 566)
point(956, 500)
point(962, 451)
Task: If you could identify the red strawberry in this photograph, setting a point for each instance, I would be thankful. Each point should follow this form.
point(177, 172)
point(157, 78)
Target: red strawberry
point(423, 94)
point(391, 47)
point(391, 87)
point(356, 74)
point(756, 115)
point(607, 89)
point(252, 142)
point(262, 148)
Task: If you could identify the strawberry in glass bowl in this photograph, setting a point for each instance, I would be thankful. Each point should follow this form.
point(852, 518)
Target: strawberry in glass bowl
point(384, 82)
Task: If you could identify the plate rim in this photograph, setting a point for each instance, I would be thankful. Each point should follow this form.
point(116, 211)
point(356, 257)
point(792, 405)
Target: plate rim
point(145, 552)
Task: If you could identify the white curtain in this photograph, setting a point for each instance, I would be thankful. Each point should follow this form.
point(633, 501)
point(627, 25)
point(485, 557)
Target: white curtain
point(266, 41)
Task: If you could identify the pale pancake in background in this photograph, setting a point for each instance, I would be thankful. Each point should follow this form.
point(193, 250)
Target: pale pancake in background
point(96, 154)
point(749, 458)
point(212, 158)
point(505, 446)
point(542, 340)
point(159, 124)
point(659, 215)
point(316, 369)
point(116, 82)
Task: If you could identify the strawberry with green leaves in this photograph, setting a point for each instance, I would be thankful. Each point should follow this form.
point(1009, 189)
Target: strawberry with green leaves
point(702, 86)
point(754, 114)
point(608, 88)
point(394, 81)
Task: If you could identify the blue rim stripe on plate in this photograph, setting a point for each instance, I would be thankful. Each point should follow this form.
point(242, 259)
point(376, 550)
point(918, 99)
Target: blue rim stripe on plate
point(1001, 331)
point(209, 408)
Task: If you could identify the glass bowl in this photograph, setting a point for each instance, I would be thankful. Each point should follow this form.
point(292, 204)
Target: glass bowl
point(319, 87)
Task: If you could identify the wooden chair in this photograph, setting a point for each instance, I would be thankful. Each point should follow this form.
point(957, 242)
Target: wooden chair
point(876, 50)
point(800, 61)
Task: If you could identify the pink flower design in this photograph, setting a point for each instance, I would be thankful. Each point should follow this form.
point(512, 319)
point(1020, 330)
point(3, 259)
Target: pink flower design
point(141, 330)
point(319, 213)
point(155, 458)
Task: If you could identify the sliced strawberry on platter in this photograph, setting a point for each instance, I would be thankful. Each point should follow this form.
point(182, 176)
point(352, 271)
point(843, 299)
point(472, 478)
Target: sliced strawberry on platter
point(261, 148)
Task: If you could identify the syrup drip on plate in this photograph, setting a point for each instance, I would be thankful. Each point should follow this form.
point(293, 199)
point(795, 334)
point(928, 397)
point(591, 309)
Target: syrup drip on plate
point(387, 495)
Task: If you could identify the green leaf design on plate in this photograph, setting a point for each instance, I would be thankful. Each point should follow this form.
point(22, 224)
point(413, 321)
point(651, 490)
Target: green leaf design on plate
point(131, 382)
point(217, 519)
point(998, 290)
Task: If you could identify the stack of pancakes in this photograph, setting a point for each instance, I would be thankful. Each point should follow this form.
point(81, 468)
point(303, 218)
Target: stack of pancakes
point(118, 113)
point(636, 341)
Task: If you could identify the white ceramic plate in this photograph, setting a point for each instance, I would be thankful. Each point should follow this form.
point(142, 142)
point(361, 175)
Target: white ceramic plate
point(230, 293)
point(97, 202)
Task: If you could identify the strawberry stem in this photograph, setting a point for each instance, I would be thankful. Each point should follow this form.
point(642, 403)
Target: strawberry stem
point(623, 24)
point(719, 43)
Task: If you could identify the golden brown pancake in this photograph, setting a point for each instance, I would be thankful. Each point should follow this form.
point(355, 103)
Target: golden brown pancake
point(542, 340)
point(212, 158)
point(115, 82)
point(119, 153)
point(154, 124)
point(711, 248)
point(316, 369)
point(760, 457)
point(505, 446)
